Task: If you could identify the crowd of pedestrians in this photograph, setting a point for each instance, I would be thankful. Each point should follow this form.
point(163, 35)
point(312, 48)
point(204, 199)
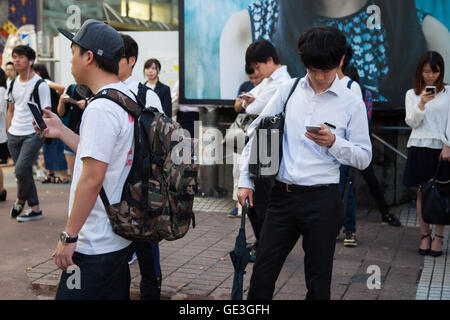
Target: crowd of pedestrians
point(315, 164)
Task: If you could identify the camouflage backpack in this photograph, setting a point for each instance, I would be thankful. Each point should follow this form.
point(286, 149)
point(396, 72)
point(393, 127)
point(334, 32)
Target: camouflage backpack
point(158, 195)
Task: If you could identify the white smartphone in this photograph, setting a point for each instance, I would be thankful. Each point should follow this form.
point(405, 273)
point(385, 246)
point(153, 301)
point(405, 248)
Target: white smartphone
point(313, 129)
point(248, 95)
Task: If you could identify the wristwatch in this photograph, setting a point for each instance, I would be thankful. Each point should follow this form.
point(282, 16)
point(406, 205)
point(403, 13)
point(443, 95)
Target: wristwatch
point(65, 238)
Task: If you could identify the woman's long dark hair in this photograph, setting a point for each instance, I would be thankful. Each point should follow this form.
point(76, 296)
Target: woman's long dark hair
point(42, 70)
point(404, 36)
point(2, 78)
point(436, 63)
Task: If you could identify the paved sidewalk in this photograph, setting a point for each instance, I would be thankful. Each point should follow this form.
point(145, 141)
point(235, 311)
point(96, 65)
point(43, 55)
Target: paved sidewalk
point(198, 266)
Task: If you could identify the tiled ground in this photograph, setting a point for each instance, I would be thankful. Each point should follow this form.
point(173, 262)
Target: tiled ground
point(198, 266)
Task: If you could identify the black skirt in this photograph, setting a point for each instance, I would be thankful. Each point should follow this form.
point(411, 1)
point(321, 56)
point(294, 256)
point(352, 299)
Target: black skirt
point(421, 166)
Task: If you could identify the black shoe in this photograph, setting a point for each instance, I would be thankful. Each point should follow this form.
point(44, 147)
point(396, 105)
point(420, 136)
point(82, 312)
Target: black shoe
point(16, 210)
point(424, 252)
point(437, 253)
point(3, 195)
point(29, 215)
point(392, 220)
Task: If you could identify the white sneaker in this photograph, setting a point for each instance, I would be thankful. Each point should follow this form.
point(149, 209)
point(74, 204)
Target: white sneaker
point(133, 258)
point(29, 215)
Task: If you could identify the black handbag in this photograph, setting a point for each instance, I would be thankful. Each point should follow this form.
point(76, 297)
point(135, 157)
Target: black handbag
point(262, 167)
point(435, 200)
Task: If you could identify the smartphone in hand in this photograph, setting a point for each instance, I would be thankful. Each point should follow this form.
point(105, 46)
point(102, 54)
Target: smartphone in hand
point(313, 129)
point(247, 94)
point(37, 115)
point(431, 89)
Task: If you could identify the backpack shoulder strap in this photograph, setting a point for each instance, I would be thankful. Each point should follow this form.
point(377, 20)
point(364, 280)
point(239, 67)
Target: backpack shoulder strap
point(125, 102)
point(290, 93)
point(142, 94)
point(349, 83)
point(35, 93)
point(132, 108)
point(11, 85)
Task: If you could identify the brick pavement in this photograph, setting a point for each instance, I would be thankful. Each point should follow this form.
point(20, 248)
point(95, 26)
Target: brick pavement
point(198, 266)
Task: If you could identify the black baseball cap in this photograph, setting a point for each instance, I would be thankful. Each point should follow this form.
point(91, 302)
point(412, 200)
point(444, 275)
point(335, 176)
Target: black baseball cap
point(97, 36)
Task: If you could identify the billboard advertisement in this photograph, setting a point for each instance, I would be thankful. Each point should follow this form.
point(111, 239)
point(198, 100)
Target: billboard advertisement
point(388, 38)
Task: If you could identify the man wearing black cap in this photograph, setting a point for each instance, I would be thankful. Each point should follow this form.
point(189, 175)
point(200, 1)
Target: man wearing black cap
point(104, 155)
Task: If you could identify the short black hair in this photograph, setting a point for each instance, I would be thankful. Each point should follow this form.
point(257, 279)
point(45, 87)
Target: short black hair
point(151, 62)
point(351, 72)
point(348, 56)
point(131, 48)
point(22, 50)
point(41, 69)
point(10, 63)
point(107, 65)
point(322, 48)
point(261, 51)
point(249, 70)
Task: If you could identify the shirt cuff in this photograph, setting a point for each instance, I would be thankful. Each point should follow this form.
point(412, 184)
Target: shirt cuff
point(246, 182)
point(334, 149)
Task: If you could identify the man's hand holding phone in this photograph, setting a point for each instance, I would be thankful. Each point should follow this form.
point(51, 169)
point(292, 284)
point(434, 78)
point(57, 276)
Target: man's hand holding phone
point(53, 125)
point(247, 97)
point(243, 194)
point(321, 135)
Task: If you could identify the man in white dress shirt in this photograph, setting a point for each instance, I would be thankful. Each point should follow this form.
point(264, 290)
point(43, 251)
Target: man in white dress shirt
point(146, 253)
point(148, 97)
point(305, 199)
point(263, 58)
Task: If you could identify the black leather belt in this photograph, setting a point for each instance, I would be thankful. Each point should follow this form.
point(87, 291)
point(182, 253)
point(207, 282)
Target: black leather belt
point(297, 188)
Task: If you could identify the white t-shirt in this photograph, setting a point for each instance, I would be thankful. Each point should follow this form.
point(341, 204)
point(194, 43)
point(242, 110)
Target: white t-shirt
point(355, 88)
point(3, 104)
point(22, 121)
point(106, 134)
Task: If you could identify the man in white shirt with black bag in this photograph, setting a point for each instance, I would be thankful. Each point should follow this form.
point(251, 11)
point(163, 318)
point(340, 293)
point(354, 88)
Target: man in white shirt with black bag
point(305, 199)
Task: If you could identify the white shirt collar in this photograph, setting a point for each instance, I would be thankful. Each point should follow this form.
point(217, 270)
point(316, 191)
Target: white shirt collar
point(278, 73)
point(335, 87)
point(129, 81)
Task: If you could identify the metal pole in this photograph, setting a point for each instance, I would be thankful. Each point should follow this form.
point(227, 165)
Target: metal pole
point(389, 146)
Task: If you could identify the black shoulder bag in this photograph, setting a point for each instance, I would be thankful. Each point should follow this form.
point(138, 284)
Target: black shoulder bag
point(264, 164)
point(435, 200)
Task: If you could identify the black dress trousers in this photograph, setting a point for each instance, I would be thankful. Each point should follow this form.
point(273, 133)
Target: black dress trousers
point(313, 214)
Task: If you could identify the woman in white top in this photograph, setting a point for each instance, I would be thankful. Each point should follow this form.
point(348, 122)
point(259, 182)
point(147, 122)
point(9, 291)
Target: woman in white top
point(427, 114)
point(3, 136)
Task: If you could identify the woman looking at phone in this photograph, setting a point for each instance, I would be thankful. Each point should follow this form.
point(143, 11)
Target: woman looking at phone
point(427, 115)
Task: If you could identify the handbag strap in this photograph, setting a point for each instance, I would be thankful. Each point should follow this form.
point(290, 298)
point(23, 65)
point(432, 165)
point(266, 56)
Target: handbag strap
point(437, 170)
point(290, 94)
